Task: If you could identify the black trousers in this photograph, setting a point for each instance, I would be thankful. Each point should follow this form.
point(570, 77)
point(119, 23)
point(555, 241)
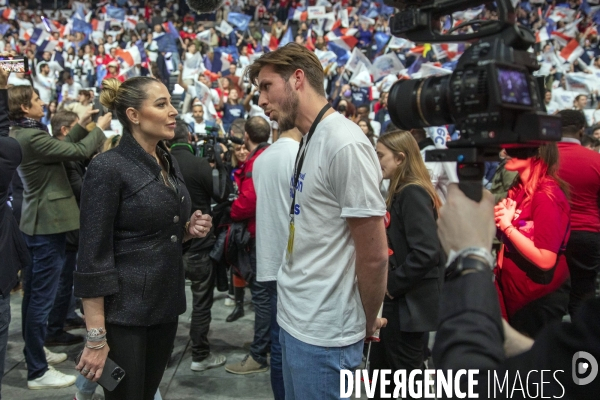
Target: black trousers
point(397, 349)
point(583, 258)
point(199, 269)
point(143, 352)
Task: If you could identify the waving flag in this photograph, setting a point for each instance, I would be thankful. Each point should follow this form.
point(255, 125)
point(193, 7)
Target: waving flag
point(297, 15)
point(4, 28)
point(100, 74)
point(221, 61)
point(38, 36)
point(99, 26)
point(204, 36)
point(240, 20)
point(361, 77)
point(131, 56)
point(287, 37)
point(381, 39)
point(572, 51)
point(166, 44)
point(47, 45)
point(115, 13)
point(80, 25)
point(9, 13)
point(340, 49)
point(140, 45)
point(388, 64)
point(356, 59)
point(224, 28)
point(171, 30)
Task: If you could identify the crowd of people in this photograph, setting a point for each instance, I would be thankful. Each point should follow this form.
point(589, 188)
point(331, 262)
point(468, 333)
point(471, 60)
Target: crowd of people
point(253, 148)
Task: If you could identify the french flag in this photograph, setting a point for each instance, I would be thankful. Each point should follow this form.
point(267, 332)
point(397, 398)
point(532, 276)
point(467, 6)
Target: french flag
point(221, 61)
point(38, 36)
point(572, 51)
point(341, 50)
point(47, 45)
point(349, 41)
point(297, 15)
point(131, 56)
point(98, 25)
point(9, 13)
point(561, 38)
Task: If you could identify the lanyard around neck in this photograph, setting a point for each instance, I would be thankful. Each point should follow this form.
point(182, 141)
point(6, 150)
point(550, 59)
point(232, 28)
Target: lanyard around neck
point(302, 154)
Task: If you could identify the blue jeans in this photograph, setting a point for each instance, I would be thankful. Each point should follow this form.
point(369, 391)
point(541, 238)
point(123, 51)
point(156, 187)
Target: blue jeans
point(276, 371)
point(40, 287)
point(62, 303)
point(4, 322)
point(313, 372)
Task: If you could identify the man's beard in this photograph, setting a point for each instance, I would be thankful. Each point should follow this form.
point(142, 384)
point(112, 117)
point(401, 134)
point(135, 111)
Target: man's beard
point(288, 110)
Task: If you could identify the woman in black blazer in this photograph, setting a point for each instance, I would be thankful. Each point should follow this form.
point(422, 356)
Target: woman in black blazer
point(416, 262)
point(135, 216)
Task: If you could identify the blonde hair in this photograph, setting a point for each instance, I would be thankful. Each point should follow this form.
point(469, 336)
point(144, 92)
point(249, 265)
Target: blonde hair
point(110, 143)
point(412, 171)
point(288, 59)
point(118, 97)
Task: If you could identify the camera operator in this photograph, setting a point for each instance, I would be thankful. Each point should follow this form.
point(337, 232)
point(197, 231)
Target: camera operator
point(470, 332)
point(199, 267)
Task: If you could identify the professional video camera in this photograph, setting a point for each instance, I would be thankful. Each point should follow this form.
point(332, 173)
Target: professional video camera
point(206, 144)
point(491, 97)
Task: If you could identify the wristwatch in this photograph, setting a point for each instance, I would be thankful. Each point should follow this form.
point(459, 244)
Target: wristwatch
point(469, 259)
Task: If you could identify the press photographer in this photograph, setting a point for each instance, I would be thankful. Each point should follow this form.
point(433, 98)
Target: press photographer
point(199, 267)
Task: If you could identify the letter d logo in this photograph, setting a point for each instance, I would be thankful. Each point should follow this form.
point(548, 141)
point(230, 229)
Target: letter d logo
point(580, 368)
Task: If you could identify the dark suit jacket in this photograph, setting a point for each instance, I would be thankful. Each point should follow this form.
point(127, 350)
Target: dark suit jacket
point(12, 246)
point(416, 271)
point(130, 240)
point(470, 336)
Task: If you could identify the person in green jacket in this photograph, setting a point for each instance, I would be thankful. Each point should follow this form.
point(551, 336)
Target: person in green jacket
point(49, 211)
point(502, 180)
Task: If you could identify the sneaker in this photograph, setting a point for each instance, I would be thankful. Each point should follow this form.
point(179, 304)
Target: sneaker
point(212, 361)
point(54, 358)
point(74, 323)
point(63, 339)
point(52, 379)
point(246, 366)
point(229, 302)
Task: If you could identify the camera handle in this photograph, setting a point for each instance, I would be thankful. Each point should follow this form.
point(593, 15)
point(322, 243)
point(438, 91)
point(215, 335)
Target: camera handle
point(470, 179)
point(470, 165)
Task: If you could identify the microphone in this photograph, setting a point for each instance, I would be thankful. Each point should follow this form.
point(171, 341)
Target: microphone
point(204, 6)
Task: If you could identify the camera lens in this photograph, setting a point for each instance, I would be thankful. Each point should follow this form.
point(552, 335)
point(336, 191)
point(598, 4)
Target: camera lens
point(420, 103)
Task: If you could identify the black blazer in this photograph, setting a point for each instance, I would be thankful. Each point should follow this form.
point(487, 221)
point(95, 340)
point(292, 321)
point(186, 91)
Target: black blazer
point(416, 272)
point(12, 246)
point(130, 239)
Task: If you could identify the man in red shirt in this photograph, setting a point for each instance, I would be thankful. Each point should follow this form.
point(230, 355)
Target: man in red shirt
point(580, 168)
point(257, 132)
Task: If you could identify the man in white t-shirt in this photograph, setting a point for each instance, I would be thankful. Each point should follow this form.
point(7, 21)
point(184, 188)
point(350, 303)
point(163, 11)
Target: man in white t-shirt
point(271, 175)
point(70, 89)
point(44, 81)
point(333, 275)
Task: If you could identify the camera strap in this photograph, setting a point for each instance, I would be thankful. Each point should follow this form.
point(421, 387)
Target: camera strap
point(298, 167)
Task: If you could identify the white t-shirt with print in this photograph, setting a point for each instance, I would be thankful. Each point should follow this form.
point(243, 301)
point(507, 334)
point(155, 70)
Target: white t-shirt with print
point(318, 299)
point(271, 177)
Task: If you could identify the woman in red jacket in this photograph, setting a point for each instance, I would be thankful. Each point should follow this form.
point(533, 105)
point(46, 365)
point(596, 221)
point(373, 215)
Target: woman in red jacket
point(532, 273)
